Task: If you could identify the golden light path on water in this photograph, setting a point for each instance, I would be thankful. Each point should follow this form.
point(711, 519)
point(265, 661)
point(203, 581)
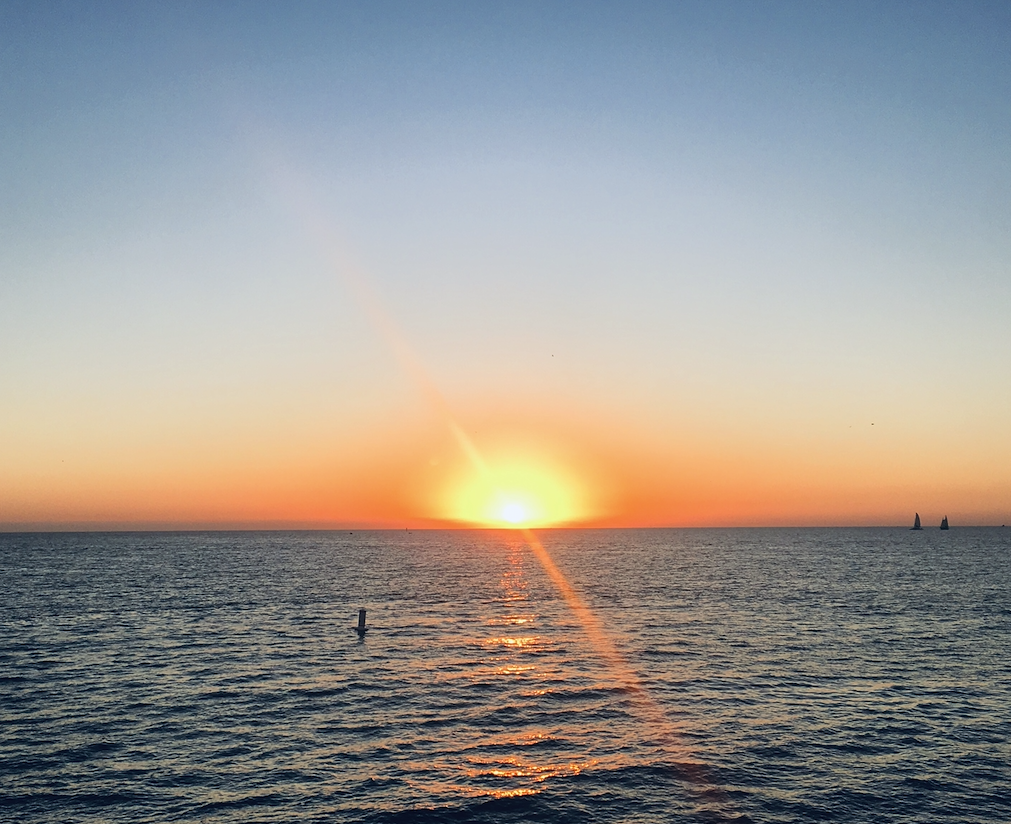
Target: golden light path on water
point(649, 710)
point(502, 507)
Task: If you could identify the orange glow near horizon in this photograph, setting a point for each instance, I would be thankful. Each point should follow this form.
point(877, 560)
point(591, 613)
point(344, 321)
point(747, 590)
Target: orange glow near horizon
point(408, 471)
point(308, 457)
point(514, 487)
point(514, 493)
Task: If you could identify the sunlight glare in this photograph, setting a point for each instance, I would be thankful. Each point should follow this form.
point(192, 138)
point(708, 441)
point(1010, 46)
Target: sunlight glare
point(516, 493)
point(514, 512)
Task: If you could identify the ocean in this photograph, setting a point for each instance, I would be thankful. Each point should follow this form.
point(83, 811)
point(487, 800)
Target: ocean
point(703, 675)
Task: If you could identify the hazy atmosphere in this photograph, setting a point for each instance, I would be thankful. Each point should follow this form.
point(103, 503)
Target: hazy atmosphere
point(505, 413)
point(373, 264)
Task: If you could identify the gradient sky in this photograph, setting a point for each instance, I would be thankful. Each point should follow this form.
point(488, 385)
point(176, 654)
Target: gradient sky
point(692, 263)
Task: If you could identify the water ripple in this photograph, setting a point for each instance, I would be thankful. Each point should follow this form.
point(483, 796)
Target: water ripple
point(809, 675)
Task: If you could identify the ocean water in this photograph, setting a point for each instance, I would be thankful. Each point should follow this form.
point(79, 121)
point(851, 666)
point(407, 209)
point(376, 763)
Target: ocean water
point(851, 675)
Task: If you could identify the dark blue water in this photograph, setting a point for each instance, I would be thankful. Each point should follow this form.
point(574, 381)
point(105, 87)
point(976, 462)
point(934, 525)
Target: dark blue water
point(755, 675)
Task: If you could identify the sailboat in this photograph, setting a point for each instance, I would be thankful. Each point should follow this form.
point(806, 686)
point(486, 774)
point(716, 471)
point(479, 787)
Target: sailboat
point(944, 522)
point(916, 523)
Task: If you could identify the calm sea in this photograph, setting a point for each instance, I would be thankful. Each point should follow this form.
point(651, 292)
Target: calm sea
point(850, 675)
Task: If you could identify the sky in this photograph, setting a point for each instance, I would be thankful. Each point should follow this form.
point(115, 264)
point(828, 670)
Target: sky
point(422, 264)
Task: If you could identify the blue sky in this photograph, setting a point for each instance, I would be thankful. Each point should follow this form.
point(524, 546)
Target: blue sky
point(695, 224)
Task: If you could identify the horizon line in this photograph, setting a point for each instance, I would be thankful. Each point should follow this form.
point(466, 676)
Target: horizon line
point(56, 529)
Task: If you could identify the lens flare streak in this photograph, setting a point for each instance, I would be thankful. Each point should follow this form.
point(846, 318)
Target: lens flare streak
point(510, 509)
point(602, 644)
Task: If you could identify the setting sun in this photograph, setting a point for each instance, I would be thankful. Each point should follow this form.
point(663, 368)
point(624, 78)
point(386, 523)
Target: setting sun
point(515, 492)
point(514, 512)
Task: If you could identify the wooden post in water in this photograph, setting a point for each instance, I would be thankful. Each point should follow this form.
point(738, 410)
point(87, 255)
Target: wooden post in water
point(361, 622)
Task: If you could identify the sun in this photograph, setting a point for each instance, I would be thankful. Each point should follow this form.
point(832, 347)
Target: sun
point(515, 493)
point(516, 508)
point(514, 512)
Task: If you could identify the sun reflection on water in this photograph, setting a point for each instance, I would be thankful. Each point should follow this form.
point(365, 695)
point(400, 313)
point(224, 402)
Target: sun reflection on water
point(529, 737)
point(515, 768)
point(527, 641)
point(517, 657)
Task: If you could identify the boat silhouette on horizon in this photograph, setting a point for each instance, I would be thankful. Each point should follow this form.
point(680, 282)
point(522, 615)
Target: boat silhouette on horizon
point(944, 522)
point(916, 523)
